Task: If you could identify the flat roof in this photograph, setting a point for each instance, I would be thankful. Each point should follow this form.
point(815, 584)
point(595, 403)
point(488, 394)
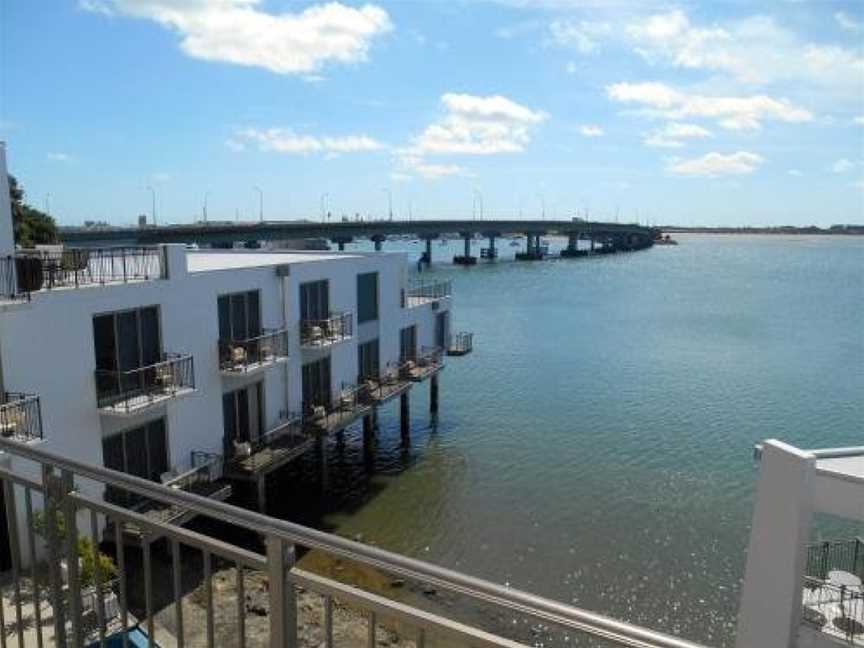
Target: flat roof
point(852, 466)
point(235, 260)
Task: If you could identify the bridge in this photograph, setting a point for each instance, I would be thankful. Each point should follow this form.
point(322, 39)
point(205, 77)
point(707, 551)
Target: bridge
point(611, 237)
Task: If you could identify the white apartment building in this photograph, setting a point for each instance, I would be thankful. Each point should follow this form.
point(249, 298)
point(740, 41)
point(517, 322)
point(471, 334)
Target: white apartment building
point(188, 367)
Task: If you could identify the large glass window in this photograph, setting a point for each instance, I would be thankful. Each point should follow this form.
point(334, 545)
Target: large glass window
point(441, 329)
point(242, 416)
point(125, 340)
point(315, 300)
point(316, 384)
point(367, 360)
point(367, 297)
point(408, 343)
point(239, 315)
point(141, 451)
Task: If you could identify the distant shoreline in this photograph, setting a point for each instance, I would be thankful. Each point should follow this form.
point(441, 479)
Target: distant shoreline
point(847, 230)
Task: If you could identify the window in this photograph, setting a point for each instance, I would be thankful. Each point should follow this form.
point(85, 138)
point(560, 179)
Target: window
point(408, 344)
point(239, 315)
point(315, 300)
point(441, 330)
point(367, 360)
point(142, 451)
point(125, 340)
point(367, 297)
point(316, 384)
point(242, 418)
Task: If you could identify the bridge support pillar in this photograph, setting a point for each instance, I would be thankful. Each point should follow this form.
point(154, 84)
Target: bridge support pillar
point(572, 249)
point(405, 417)
point(533, 251)
point(378, 240)
point(341, 241)
point(427, 258)
point(490, 252)
point(466, 258)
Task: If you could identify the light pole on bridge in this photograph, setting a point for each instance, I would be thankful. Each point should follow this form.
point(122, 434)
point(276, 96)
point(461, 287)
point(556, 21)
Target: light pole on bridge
point(260, 203)
point(152, 204)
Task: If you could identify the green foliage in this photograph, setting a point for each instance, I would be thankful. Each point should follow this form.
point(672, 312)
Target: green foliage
point(91, 561)
point(32, 226)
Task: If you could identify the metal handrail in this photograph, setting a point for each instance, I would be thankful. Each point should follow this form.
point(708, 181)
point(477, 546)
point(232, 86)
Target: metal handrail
point(20, 416)
point(336, 327)
point(480, 590)
point(62, 267)
point(430, 290)
point(129, 389)
point(240, 355)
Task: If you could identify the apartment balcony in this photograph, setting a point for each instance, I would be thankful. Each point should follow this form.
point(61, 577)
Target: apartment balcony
point(130, 392)
point(58, 267)
point(348, 406)
point(277, 447)
point(392, 382)
point(427, 292)
point(201, 475)
point(321, 333)
point(244, 357)
point(461, 343)
point(20, 417)
point(428, 363)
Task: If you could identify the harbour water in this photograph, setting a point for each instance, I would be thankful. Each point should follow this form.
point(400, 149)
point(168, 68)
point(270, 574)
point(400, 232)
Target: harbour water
point(597, 445)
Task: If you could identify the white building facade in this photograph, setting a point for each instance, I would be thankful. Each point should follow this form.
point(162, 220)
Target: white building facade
point(143, 359)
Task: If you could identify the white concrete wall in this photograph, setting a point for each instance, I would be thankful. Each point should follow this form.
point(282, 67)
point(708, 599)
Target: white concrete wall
point(7, 235)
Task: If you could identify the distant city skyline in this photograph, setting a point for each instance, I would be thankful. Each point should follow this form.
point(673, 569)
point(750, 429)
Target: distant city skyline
point(717, 114)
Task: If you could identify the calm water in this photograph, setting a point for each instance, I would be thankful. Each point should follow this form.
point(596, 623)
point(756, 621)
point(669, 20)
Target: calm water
point(596, 447)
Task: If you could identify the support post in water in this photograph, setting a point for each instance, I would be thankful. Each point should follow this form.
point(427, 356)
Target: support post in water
point(433, 394)
point(405, 416)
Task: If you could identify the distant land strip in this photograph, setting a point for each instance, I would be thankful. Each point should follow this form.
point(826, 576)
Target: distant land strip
point(847, 230)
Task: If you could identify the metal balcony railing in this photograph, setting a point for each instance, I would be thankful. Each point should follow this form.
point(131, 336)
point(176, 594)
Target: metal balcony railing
point(342, 409)
point(20, 416)
point(834, 610)
point(55, 613)
point(337, 327)
point(423, 292)
point(49, 269)
point(129, 391)
point(274, 448)
point(460, 343)
point(830, 555)
point(243, 356)
point(387, 384)
point(428, 362)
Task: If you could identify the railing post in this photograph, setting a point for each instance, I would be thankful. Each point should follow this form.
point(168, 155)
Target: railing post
point(283, 597)
point(51, 489)
point(70, 523)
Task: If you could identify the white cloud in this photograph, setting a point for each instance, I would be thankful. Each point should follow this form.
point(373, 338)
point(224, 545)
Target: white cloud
point(591, 130)
point(714, 165)
point(673, 134)
point(842, 166)
point(732, 113)
point(417, 165)
point(285, 140)
point(858, 120)
point(847, 23)
point(583, 36)
point(59, 157)
point(476, 125)
point(237, 31)
point(795, 172)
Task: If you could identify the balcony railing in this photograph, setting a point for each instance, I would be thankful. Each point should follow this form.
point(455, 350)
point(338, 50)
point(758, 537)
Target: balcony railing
point(460, 344)
point(427, 363)
point(846, 555)
point(315, 333)
point(54, 613)
point(392, 382)
point(50, 269)
point(128, 392)
point(243, 356)
point(20, 417)
point(273, 449)
point(9, 290)
point(424, 292)
point(343, 408)
point(833, 609)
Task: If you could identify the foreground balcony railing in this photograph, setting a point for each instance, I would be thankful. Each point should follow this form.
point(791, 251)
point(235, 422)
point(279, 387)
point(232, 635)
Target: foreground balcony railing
point(49, 269)
point(131, 391)
point(273, 449)
point(423, 292)
point(199, 583)
point(20, 417)
point(316, 333)
point(835, 609)
point(245, 356)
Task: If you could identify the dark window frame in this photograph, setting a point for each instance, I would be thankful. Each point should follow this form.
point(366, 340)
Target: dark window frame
point(368, 360)
point(155, 467)
point(116, 363)
point(229, 329)
point(367, 309)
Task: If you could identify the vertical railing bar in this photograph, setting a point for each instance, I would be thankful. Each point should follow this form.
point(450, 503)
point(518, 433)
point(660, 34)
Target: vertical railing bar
point(50, 485)
point(370, 637)
point(328, 621)
point(31, 541)
point(121, 568)
point(208, 584)
point(178, 593)
point(241, 607)
point(421, 638)
point(70, 522)
point(97, 577)
point(15, 550)
point(148, 589)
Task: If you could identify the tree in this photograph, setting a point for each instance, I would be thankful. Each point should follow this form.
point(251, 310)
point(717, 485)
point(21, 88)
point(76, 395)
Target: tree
point(32, 226)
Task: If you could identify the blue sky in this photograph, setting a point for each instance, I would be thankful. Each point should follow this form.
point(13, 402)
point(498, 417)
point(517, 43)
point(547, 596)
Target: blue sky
point(723, 113)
